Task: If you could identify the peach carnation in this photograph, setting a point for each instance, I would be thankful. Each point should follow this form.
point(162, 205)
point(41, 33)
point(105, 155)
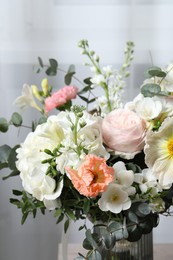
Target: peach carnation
point(92, 177)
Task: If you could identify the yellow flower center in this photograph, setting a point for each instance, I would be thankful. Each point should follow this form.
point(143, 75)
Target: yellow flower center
point(170, 147)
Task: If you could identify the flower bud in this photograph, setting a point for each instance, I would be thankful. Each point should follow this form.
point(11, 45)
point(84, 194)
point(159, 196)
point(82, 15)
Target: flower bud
point(45, 86)
point(35, 92)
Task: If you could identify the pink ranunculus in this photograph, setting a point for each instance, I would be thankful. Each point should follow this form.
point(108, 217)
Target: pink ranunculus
point(60, 97)
point(92, 177)
point(124, 131)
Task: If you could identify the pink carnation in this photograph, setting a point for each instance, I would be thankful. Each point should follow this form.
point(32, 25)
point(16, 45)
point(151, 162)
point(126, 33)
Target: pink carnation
point(92, 177)
point(60, 97)
point(124, 131)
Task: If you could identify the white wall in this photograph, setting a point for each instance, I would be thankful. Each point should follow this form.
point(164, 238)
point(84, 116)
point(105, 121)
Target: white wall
point(52, 28)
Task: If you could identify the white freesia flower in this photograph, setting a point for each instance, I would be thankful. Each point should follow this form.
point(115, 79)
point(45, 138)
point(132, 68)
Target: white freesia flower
point(147, 181)
point(30, 157)
point(114, 199)
point(159, 152)
point(148, 108)
point(124, 177)
point(27, 99)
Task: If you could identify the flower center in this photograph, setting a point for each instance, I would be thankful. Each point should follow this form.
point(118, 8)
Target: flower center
point(170, 147)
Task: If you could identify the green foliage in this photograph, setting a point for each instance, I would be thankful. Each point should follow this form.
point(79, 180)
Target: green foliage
point(3, 125)
point(70, 73)
point(155, 72)
point(27, 204)
point(16, 119)
point(8, 160)
point(150, 90)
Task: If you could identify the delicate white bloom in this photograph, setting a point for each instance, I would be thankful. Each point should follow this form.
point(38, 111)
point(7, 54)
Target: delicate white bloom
point(30, 157)
point(98, 79)
point(148, 108)
point(114, 199)
point(27, 98)
point(159, 152)
point(148, 181)
point(107, 70)
point(124, 177)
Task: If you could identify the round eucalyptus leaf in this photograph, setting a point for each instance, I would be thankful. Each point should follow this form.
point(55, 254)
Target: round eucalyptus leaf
point(3, 125)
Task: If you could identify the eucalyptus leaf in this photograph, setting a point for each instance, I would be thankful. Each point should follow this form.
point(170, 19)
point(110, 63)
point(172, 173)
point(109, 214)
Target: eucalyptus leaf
point(4, 153)
point(155, 72)
point(16, 119)
point(42, 120)
point(53, 64)
point(87, 245)
point(95, 255)
point(3, 125)
point(69, 75)
point(132, 217)
point(115, 226)
point(91, 239)
point(40, 62)
point(150, 89)
point(143, 209)
point(12, 157)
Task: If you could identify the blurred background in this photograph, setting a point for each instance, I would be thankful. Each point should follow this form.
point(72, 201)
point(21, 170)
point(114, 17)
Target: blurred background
point(52, 29)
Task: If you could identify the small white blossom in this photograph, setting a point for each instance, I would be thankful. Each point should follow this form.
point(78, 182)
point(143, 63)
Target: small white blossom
point(114, 199)
point(27, 99)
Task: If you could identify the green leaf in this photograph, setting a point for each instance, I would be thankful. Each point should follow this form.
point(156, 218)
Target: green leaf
point(50, 72)
point(69, 75)
point(114, 226)
point(95, 255)
point(40, 62)
point(86, 205)
point(87, 81)
point(87, 245)
point(12, 174)
point(66, 225)
point(108, 238)
point(83, 98)
point(143, 210)
point(16, 119)
point(70, 213)
point(91, 239)
point(4, 153)
point(58, 212)
point(3, 125)
point(42, 120)
point(53, 64)
point(12, 158)
point(155, 72)
point(24, 217)
point(17, 192)
point(84, 90)
point(132, 217)
point(150, 89)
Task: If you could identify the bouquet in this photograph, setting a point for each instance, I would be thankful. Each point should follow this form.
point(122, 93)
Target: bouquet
point(105, 159)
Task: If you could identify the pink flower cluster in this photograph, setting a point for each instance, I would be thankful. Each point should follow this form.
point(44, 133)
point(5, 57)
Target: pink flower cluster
point(60, 97)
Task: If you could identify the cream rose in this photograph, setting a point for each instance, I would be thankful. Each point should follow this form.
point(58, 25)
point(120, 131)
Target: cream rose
point(123, 130)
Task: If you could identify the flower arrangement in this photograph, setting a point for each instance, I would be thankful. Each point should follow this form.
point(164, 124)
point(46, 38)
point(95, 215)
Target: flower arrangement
point(111, 164)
